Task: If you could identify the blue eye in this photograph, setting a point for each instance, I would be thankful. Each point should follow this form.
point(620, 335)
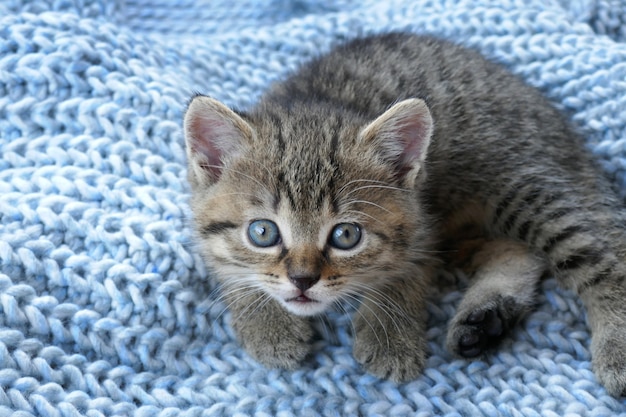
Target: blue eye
point(263, 233)
point(345, 236)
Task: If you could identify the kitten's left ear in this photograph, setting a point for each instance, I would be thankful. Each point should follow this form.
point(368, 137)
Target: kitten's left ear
point(401, 136)
point(214, 134)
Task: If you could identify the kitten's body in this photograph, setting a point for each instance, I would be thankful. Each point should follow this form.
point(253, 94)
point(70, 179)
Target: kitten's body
point(348, 141)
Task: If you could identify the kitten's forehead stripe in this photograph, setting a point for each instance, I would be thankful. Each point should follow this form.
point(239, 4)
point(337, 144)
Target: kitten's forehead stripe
point(285, 189)
point(276, 120)
point(275, 202)
point(306, 188)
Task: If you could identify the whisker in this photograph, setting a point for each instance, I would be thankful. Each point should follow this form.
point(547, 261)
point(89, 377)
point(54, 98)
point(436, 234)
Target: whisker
point(340, 305)
point(261, 301)
point(264, 166)
point(376, 182)
point(383, 307)
point(243, 174)
point(367, 202)
point(244, 194)
point(388, 305)
point(359, 212)
point(349, 183)
point(326, 326)
point(242, 283)
point(385, 187)
point(227, 297)
point(364, 305)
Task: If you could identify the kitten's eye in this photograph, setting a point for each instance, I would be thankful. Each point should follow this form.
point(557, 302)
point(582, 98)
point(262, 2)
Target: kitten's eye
point(263, 233)
point(345, 236)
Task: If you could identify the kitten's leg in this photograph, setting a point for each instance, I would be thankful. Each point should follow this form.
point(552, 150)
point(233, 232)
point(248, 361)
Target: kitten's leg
point(591, 267)
point(606, 314)
point(390, 326)
point(584, 239)
point(270, 334)
point(503, 289)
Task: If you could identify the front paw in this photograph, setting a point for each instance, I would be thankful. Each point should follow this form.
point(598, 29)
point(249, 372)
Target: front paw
point(608, 350)
point(276, 338)
point(389, 354)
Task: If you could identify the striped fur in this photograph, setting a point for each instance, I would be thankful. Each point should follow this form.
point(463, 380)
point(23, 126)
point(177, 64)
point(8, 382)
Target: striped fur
point(423, 144)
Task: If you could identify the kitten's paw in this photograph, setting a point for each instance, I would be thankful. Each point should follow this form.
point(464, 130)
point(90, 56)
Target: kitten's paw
point(279, 347)
point(609, 361)
point(280, 341)
point(391, 356)
point(472, 333)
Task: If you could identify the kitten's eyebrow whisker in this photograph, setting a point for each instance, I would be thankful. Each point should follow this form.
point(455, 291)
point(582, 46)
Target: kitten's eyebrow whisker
point(359, 212)
point(370, 203)
point(243, 174)
point(385, 187)
point(359, 180)
point(246, 194)
point(349, 183)
point(264, 166)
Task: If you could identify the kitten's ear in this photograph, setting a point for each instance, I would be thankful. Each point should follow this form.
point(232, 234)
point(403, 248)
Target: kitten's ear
point(213, 134)
point(401, 135)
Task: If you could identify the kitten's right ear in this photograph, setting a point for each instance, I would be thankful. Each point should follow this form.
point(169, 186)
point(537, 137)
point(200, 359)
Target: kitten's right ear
point(213, 134)
point(401, 136)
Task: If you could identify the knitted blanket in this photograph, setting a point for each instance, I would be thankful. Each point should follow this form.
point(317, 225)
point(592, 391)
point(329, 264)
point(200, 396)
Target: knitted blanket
point(106, 308)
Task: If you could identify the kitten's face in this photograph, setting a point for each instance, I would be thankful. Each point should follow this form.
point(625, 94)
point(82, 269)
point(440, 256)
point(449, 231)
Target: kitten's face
point(304, 215)
point(306, 259)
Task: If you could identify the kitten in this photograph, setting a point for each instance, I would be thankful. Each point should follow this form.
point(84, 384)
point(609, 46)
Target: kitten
point(348, 179)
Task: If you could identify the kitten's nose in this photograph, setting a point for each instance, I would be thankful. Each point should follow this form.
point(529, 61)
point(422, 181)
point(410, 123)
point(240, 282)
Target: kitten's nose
point(304, 282)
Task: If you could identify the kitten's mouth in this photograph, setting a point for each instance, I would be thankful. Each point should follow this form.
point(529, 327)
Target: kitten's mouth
point(302, 298)
point(303, 305)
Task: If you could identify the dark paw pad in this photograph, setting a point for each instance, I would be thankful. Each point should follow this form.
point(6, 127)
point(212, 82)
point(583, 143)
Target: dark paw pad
point(483, 329)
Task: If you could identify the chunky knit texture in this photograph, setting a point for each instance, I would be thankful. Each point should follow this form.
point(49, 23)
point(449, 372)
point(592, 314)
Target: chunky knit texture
point(106, 308)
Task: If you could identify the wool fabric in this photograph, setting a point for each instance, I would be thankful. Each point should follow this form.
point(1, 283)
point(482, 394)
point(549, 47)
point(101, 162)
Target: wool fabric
point(106, 308)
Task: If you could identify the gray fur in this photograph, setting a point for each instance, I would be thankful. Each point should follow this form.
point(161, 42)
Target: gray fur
point(328, 143)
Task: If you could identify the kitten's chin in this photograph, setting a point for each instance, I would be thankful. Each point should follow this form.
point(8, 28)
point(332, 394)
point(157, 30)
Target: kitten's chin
point(304, 306)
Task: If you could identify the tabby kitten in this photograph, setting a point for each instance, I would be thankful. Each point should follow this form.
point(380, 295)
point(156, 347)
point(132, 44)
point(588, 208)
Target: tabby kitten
point(348, 179)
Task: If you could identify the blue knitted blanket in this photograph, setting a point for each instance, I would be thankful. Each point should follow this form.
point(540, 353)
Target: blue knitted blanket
point(106, 308)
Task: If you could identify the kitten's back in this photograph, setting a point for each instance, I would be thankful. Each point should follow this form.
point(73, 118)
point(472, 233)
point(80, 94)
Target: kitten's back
point(491, 131)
